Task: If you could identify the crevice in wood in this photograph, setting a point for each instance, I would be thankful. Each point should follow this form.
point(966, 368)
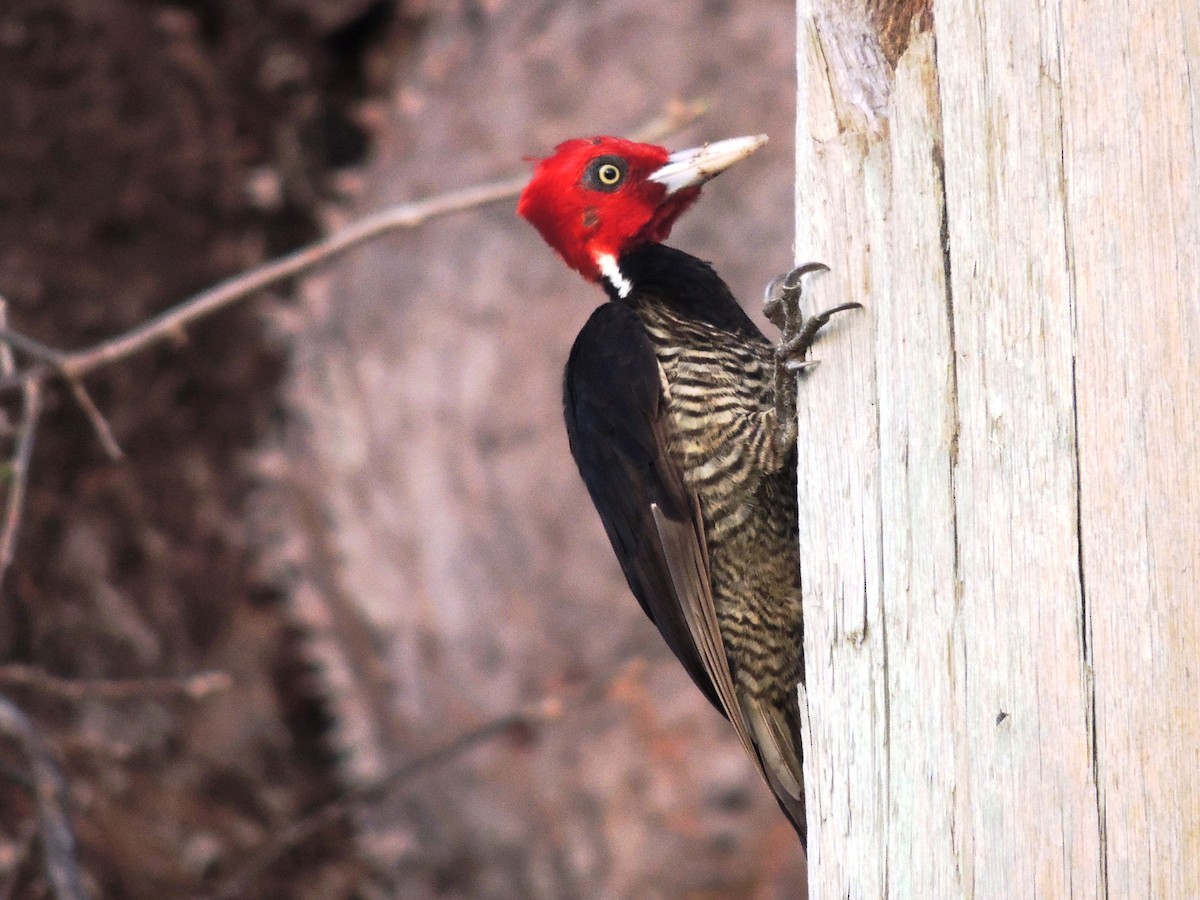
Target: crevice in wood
point(896, 21)
point(1085, 621)
point(887, 692)
point(964, 876)
point(939, 162)
point(1194, 131)
point(881, 543)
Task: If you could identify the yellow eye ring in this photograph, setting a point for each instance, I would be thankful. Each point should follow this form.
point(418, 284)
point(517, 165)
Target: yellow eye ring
point(608, 174)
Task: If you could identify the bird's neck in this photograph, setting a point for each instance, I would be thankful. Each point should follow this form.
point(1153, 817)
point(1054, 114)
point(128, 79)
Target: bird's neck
point(655, 275)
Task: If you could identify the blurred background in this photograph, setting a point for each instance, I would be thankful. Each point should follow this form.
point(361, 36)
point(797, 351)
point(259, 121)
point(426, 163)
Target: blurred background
point(353, 496)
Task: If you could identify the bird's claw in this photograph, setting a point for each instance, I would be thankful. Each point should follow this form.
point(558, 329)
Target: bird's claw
point(781, 305)
point(796, 366)
point(792, 350)
point(785, 290)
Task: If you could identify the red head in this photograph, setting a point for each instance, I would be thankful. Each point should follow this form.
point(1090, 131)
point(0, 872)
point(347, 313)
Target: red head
point(598, 197)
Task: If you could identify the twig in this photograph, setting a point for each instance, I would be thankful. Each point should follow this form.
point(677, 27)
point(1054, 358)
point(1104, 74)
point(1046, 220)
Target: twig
point(676, 114)
point(405, 215)
point(292, 836)
point(7, 363)
point(191, 687)
point(77, 363)
point(55, 361)
point(56, 838)
point(96, 418)
point(18, 476)
point(73, 365)
point(39, 351)
point(50, 799)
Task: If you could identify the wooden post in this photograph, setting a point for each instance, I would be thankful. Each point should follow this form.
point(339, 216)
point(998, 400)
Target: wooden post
point(999, 459)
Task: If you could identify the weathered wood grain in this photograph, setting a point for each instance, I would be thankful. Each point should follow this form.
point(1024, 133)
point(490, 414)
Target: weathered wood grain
point(1000, 484)
point(1131, 150)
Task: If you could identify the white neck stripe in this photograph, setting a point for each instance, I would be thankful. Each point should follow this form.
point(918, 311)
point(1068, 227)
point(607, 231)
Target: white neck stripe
point(610, 270)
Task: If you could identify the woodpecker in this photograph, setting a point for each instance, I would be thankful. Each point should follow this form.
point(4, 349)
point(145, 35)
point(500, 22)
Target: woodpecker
point(681, 418)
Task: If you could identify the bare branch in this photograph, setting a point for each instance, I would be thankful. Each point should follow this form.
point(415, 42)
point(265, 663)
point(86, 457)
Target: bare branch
point(50, 798)
point(48, 787)
point(676, 114)
point(74, 365)
point(18, 475)
point(289, 838)
point(55, 361)
point(190, 687)
point(52, 358)
point(96, 418)
point(7, 364)
point(405, 215)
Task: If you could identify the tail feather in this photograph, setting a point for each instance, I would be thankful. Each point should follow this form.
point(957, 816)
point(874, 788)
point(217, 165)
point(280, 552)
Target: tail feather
point(778, 746)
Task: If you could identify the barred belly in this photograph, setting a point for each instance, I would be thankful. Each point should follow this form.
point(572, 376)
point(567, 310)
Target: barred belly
point(721, 397)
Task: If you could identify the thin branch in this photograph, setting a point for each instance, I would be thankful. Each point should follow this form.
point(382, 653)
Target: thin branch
point(676, 114)
point(50, 799)
point(192, 688)
point(55, 361)
point(18, 476)
point(75, 364)
point(72, 366)
point(405, 215)
point(27, 345)
point(96, 418)
point(292, 836)
point(7, 364)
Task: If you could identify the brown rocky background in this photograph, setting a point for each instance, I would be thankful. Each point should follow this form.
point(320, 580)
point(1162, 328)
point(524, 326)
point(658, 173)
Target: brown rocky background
point(354, 498)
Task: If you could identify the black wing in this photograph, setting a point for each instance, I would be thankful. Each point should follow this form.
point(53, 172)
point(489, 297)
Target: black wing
point(620, 432)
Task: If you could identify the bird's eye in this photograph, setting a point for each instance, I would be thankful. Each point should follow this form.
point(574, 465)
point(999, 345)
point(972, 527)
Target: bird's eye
point(605, 173)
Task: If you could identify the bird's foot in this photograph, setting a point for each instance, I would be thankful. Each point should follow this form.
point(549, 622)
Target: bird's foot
point(781, 305)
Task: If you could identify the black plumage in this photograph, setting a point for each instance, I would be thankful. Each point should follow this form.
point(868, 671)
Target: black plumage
point(671, 415)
